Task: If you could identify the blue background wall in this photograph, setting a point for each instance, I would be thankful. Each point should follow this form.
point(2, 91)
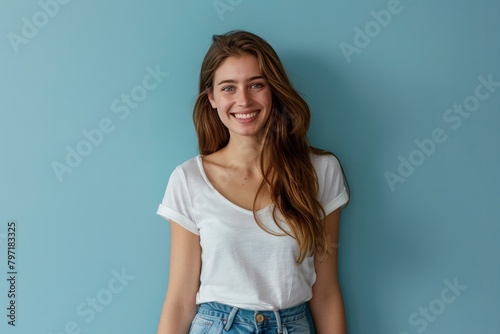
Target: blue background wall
point(407, 235)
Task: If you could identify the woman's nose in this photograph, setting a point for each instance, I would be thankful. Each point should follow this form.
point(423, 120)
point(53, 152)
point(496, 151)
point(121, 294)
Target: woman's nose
point(244, 98)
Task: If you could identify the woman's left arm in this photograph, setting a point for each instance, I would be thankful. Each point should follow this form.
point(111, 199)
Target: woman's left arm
point(327, 307)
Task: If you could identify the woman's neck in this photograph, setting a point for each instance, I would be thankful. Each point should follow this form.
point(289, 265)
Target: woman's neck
point(243, 153)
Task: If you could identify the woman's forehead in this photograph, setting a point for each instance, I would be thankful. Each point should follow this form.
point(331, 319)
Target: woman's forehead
point(238, 68)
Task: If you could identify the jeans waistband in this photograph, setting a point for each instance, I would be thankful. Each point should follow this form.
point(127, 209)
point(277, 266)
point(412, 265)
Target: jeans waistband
point(231, 314)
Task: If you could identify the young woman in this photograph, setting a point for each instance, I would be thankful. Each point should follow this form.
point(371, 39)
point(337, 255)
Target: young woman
point(254, 217)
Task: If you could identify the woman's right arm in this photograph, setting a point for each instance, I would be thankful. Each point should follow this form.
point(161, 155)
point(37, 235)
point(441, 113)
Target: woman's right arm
point(180, 306)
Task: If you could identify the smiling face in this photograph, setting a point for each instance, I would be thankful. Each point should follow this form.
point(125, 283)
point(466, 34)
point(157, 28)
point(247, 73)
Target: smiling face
point(241, 95)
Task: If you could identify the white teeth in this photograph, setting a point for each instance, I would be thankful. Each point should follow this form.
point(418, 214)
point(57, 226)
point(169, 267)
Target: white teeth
point(245, 116)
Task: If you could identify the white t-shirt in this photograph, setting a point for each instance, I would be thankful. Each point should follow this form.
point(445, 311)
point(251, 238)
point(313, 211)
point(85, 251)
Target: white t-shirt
point(243, 265)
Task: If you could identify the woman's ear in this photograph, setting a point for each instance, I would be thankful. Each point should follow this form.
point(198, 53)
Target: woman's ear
point(211, 99)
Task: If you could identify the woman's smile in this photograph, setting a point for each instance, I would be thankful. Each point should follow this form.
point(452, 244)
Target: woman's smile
point(245, 117)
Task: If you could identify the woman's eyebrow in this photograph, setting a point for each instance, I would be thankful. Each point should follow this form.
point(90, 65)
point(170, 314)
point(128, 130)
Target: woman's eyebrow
point(234, 81)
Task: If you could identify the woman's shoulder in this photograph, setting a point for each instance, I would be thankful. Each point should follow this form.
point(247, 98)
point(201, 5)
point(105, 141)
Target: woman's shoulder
point(188, 168)
point(322, 159)
point(190, 163)
point(216, 158)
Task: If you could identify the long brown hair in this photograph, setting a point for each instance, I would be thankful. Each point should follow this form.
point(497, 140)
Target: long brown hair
point(285, 156)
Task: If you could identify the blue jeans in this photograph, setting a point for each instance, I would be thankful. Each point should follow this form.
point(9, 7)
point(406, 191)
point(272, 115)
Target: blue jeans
point(216, 318)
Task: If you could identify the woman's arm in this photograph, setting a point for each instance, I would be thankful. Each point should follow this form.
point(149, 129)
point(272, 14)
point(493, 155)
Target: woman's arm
point(180, 307)
point(326, 305)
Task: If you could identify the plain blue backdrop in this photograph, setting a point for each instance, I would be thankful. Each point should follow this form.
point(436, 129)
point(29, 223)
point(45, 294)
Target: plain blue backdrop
point(385, 80)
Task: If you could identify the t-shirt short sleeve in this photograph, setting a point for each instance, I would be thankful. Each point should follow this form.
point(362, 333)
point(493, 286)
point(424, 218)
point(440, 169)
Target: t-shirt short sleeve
point(176, 204)
point(333, 194)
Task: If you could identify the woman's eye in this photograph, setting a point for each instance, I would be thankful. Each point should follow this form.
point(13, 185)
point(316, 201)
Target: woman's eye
point(257, 85)
point(228, 89)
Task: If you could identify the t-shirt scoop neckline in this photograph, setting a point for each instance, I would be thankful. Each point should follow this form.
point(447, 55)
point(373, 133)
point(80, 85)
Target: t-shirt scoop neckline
point(199, 160)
